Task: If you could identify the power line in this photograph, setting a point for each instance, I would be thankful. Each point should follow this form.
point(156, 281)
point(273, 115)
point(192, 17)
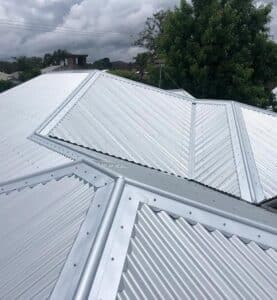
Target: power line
point(32, 26)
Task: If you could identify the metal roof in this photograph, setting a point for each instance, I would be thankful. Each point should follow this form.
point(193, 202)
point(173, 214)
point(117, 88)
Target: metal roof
point(85, 232)
point(105, 227)
point(38, 226)
point(22, 110)
point(262, 132)
point(182, 92)
point(206, 141)
point(171, 258)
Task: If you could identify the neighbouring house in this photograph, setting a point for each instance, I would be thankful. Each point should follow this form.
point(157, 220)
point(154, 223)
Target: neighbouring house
point(15, 75)
point(5, 76)
point(113, 189)
point(73, 61)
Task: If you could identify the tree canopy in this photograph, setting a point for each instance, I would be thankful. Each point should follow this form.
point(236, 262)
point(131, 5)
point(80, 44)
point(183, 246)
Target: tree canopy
point(216, 49)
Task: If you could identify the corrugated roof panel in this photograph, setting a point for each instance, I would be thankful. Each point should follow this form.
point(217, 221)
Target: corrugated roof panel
point(182, 92)
point(22, 110)
point(262, 132)
point(213, 150)
point(38, 227)
point(131, 121)
point(173, 259)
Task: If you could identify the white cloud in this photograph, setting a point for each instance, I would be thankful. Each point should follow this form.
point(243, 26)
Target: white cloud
point(100, 28)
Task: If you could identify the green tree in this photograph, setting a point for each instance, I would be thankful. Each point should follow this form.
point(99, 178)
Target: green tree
point(26, 64)
point(102, 64)
point(141, 60)
point(48, 60)
point(152, 29)
point(5, 85)
point(219, 49)
point(59, 56)
point(29, 74)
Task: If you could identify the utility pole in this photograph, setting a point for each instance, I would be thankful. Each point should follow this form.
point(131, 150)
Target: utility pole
point(160, 79)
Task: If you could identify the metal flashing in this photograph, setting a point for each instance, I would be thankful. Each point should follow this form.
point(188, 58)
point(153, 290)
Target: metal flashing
point(107, 279)
point(227, 170)
point(238, 154)
point(192, 143)
point(39, 224)
point(69, 102)
point(105, 234)
point(262, 135)
point(254, 183)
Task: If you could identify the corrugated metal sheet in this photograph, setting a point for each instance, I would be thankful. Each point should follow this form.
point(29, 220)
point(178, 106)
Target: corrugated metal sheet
point(197, 139)
point(131, 121)
point(22, 110)
point(182, 93)
point(262, 132)
point(213, 150)
point(37, 229)
point(173, 259)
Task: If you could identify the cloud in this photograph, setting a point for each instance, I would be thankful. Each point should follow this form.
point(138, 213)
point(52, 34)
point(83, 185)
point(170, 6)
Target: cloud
point(99, 28)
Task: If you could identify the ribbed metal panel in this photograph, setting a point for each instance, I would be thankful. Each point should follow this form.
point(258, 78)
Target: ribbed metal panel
point(173, 259)
point(131, 121)
point(182, 93)
point(262, 132)
point(214, 163)
point(38, 227)
point(22, 110)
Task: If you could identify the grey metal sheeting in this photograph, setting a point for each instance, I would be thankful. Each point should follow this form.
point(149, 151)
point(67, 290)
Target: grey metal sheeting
point(37, 229)
point(262, 131)
point(214, 161)
point(22, 110)
point(131, 121)
point(197, 139)
point(182, 93)
point(173, 259)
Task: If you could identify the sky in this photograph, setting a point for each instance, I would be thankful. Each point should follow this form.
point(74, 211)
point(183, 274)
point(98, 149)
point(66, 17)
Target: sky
point(100, 28)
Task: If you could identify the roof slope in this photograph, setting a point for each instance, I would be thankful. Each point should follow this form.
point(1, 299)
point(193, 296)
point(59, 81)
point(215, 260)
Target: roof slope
point(22, 110)
point(82, 231)
point(152, 135)
point(207, 141)
point(182, 93)
point(217, 143)
point(262, 132)
point(38, 227)
point(172, 258)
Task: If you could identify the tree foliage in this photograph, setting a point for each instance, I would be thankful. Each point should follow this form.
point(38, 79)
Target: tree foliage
point(102, 64)
point(152, 29)
point(5, 85)
point(141, 61)
point(218, 49)
point(55, 58)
